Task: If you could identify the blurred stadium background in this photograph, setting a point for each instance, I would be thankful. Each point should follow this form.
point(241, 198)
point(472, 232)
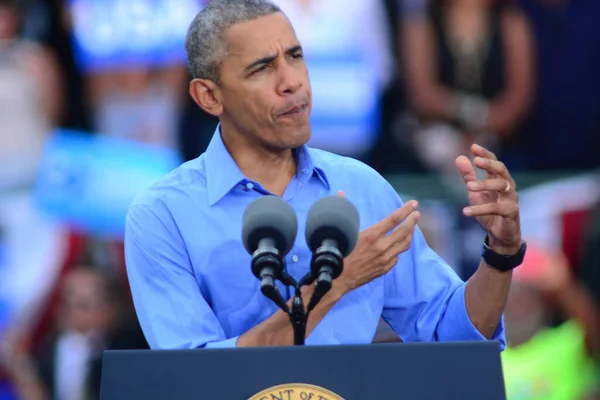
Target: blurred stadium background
point(94, 107)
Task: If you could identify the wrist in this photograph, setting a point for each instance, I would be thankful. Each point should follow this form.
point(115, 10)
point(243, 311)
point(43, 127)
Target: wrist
point(504, 248)
point(503, 256)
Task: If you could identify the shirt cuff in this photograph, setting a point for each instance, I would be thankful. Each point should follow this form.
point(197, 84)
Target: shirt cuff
point(457, 326)
point(223, 344)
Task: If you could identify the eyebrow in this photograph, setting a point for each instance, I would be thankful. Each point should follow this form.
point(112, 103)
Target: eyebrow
point(270, 59)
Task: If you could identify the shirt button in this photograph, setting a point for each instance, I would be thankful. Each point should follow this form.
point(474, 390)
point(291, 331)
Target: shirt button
point(250, 185)
point(295, 258)
point(305, 171)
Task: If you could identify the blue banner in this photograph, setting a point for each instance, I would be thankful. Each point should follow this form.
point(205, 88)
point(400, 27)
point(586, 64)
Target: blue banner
point(346, 103)
point(89, 181)
point(121, 34)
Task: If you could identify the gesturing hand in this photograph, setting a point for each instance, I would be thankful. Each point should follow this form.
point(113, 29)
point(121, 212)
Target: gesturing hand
point(376, 252)
point(493, 201)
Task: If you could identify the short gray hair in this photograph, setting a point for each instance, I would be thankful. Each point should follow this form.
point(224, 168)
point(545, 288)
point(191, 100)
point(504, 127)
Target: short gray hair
point(204, 41)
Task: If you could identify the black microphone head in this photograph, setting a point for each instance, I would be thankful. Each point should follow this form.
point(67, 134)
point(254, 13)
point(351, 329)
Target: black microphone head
point(269, 217)
point(332, 217)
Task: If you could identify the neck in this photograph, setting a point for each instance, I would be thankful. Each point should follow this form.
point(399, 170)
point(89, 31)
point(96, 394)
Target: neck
point(272, 168)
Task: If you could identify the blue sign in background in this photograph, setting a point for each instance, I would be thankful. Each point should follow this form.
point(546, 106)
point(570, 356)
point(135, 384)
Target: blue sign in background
point(120, 34)
point(346, 103)
point(89, 181)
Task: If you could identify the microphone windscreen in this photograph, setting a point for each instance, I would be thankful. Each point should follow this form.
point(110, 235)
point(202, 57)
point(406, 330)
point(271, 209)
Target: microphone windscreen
point(332, 217)
point(269, 217)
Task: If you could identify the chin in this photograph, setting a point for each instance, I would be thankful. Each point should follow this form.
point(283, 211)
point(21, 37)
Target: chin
point(299, 137)
point(292, 136)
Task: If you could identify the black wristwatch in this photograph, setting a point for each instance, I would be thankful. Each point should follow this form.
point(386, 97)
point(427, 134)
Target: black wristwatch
point(502, 262)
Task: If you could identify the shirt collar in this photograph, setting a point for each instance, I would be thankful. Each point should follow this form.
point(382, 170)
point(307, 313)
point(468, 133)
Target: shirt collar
point(223, 174)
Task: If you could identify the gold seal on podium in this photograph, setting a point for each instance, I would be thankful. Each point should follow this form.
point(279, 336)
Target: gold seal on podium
point(296, 391)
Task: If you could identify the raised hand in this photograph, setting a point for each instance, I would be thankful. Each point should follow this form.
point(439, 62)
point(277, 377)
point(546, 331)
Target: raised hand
point(378, 247)
point(493, 201)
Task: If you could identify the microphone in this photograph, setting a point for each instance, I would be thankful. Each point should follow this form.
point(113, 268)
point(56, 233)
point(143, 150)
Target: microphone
point(269, 231)
point(332, 227)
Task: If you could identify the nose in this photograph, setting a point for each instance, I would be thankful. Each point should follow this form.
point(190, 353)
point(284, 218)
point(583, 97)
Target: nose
point(290, 80)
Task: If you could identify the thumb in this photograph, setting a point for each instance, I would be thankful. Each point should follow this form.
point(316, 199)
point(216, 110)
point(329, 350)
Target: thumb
point(465, 167)
point(341, 193)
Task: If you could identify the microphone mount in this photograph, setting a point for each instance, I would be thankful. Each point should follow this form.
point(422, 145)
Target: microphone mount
point(331, 234)
point(329, 261)
point(326, 265)
point(267, 265)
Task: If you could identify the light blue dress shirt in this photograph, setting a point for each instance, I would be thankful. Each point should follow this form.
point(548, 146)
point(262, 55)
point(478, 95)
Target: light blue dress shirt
point(190, 275)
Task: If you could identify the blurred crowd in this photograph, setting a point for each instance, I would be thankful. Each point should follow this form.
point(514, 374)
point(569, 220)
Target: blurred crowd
point(403, 85)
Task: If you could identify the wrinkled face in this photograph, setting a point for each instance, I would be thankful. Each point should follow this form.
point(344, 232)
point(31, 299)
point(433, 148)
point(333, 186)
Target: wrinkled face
point(264, 87)
point(525, 314)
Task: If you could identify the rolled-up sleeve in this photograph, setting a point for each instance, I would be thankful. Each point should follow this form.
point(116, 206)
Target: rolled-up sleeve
point(456, 324)
point(425, 298)
point(168, 301)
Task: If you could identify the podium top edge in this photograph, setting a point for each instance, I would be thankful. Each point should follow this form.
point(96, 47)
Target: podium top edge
point(487, 344)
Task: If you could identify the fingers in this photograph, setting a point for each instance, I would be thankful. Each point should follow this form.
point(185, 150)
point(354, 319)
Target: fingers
point(391, 263)
point(405, 230)
point(401, 244)
point(483, 152)
point(341, 193)
point(492, 166)
point(500, 179)
point(466, 169)
point(397, 248)
point(395, 218)
point(507, 209)
point(493, 185)
point(495, 168)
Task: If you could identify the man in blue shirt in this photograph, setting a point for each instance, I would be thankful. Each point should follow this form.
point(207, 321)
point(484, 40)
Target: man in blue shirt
point(189, 273)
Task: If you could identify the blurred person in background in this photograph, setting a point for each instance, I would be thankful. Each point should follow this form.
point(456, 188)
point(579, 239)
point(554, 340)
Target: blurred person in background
point(135, 81)
point(546, 360)
point(468, 72)
point(30, 100)
point(563, 132)
point(63, 368)
point(142, 104)
point(31, 105)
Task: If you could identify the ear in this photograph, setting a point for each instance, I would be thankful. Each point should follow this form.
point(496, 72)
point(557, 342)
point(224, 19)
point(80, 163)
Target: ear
point(206, 94)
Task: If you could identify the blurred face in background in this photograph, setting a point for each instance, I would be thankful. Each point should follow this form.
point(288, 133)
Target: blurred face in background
point(264, 87)
point(525, 313)
point(9, 20)
point(85, 305)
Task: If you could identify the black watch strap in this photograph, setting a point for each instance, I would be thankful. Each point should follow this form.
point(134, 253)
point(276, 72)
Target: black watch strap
point(502, 262)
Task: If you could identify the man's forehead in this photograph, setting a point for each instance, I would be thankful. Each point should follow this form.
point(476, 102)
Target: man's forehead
point(260, 36)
